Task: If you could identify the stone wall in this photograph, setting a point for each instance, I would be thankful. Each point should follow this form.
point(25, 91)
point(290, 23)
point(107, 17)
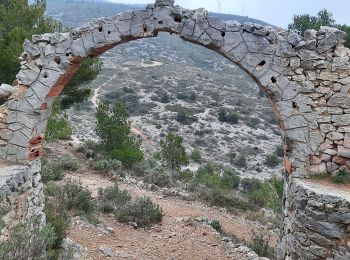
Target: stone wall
point(21, 195)
point(317, 222)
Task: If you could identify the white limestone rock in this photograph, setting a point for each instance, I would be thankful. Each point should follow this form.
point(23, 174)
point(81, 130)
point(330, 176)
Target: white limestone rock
point(5, 90)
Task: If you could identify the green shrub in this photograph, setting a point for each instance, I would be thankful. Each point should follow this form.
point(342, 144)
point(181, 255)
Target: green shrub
point(206, 176)
point(196, 156)
point(73, 197)
point(250, 185)
point(28, 241)
point(186, 176)
point(260, 245)
point(51, 172)
point(90, 148)
point(145, 166)
point(209, 176)
point(341, 177)
point(228, 117)
point(222, 115)
point(106, 165)
point(232, 118)
point(279, 151)
point(142, 211)
point(59, 219)
point(275, 195)
point(253, 122)
point(267, 194)
point(127, 155)
point(225, 199)
point(164, 98)
point(157, 177)
point(271, 161)
point(112, 198)
point(58, 126)
point(68, 163)
point(230, 179)
point(256, 197)
point(240, 161)
point(185, 119)
point(4, 209)
point(216, 225)
point(184, 115)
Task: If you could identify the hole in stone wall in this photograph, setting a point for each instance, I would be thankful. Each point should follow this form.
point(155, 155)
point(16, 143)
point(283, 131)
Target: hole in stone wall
point(45, 75)
point(273, 79)
point(177, 19)
point(36, 140)
point(160, 22)
point(144, 29)
point(67, 54)
point(100, 29)
point(109, 32)
point(262, 63)
point(34, 155)
point(57, 60)
point(223, 34)
point(295, 105)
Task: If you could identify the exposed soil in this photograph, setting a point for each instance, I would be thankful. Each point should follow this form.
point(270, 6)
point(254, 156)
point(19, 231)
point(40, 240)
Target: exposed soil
point(178, 236)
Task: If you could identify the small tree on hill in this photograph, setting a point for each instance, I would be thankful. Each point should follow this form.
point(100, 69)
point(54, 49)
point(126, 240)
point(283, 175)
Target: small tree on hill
point(114, 130)
point(173, 153)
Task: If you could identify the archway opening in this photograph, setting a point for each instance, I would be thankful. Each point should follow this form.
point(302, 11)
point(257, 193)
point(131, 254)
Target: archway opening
point(171, 85)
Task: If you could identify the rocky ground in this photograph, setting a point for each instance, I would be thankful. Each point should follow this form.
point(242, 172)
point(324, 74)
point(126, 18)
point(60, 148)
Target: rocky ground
point(184, 233)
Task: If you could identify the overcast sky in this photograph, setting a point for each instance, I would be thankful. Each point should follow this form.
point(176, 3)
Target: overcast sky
point(276, 12)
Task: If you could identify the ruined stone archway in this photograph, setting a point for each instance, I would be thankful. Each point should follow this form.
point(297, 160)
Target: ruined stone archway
point(306, 80)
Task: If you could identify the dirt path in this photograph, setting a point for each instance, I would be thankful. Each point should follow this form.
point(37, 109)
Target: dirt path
point(178, 236)
point(175, 238)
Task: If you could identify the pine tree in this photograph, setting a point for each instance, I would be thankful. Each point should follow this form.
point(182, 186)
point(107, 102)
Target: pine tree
point(173, 153)
point(115, 132)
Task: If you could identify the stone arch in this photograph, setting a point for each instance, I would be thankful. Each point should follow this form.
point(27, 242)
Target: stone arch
point(305, 79)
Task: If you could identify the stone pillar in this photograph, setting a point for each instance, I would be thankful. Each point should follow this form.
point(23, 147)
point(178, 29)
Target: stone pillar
point(316, 222)
point(21, 194)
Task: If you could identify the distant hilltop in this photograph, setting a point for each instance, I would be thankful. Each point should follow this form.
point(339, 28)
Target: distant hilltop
point(63, 10)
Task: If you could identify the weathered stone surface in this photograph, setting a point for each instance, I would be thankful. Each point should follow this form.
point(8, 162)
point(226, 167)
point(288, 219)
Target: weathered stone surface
point(344, 152)
point(310, 34)
point(330, 38)
point(346, 142)
point(341, 120)
point(21, 188)
point(293, 38)
point(339, 100)
point(308, 228)
point(335, 136)
point(5, 90)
